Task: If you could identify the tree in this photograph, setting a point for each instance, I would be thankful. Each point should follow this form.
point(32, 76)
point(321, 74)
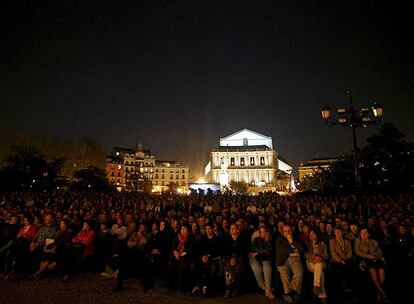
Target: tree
point(91, 178)
point(388, 160)
point(239, 187)
point(138, 182)
point(172, 187)
point(386, 164)
point(27, 169)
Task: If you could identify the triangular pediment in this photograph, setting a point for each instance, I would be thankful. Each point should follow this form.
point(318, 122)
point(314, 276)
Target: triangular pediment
point(246, 137)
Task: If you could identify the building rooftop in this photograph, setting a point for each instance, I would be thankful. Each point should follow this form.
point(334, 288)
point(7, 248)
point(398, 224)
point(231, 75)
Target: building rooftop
point(321, 161)
point(241, 148)
point(284, 160)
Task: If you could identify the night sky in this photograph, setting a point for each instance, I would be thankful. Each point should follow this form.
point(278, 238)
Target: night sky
point(178, 75)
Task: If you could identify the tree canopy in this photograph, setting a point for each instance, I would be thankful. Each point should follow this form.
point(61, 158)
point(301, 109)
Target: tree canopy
point(386, 163)
point(27, 169)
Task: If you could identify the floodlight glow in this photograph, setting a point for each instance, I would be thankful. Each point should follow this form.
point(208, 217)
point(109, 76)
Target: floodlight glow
point(201, 180)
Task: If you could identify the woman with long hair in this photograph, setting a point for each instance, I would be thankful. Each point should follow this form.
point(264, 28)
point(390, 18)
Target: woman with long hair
point(180, 259)
point(261, 262)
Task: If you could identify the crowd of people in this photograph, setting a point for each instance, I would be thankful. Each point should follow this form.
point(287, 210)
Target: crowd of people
point(292, 246)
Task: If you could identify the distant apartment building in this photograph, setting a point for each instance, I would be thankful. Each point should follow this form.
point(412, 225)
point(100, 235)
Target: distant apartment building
point(126, 166)
point(315, 165)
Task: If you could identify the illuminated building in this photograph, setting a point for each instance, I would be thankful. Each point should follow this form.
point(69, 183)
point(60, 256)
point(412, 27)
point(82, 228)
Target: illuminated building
point(125, 166)
point(166, 172)
point(247, 156)
point(315, 165)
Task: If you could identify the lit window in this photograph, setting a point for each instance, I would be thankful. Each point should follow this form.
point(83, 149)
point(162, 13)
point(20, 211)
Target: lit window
point(262, 161)
point(232, 161)
point(119, 167)
point(242, 161)
point(251, 161)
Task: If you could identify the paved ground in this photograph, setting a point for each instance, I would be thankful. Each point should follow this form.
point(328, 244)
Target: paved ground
point(91, 288)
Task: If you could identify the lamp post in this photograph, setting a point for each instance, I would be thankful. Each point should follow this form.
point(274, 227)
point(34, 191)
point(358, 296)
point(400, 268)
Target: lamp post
point(354, 118)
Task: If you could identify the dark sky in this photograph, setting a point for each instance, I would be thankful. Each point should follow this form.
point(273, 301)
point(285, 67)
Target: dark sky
point(178, 75)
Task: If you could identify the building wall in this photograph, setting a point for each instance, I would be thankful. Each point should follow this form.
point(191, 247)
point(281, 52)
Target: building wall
point(160, 173)
point(115, 171)
point(252, 167)
point(316, 165)
point(243, 159)
point(165, 173)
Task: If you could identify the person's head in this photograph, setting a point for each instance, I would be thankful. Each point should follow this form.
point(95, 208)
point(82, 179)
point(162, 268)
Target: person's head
point(263, 232)
point(364, 234)
point(209, 231)
point(194, 228)
point(154, 227)
point(280, 225)
point(48, 219)
point(371, 222)
point(202, 220)
point(402, 230)
point(104, 226)
point(120, 221)
point(287, 231)
point(313, 235)
point(337, 221)
point(225, 224)
point(338, 232)
point(162, 226)
point(322, 227)
point(354, 228)
point(234, 229)
point(63, 224)
point(86, 226)
point(13, 220)
point(174, 224)
point(27, 221)
point(329, 228)
point(345, 225)
point(305, 229)
point(142, 228)
point(184, 230)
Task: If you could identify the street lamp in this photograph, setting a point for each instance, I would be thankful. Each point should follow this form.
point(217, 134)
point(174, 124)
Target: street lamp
point(354, 118)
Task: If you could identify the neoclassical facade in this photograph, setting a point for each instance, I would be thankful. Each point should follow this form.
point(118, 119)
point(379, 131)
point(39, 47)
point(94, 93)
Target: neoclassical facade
point(247, 156)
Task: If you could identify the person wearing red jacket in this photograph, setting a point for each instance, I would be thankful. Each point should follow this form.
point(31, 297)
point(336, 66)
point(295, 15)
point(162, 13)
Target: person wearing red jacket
point(82, 241)
point(85, 237)
point(28, 230)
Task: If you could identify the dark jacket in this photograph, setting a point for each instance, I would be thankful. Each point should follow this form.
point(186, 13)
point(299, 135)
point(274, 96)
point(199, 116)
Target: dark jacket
point(284, 249)
point(263, 248)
